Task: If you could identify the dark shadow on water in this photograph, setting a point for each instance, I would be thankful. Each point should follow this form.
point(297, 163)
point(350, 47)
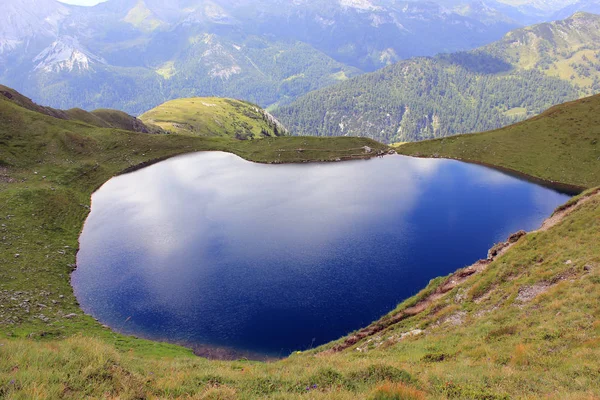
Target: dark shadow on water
point(563, 188)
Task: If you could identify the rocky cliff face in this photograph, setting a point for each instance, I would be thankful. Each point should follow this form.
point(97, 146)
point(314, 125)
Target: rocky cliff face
point(68, 55)
point(23, 19)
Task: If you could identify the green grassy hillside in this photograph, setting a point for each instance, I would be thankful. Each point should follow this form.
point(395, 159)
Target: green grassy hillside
point(102, 118)
point(561, 145)
point(211, 116)
point(525, 324)
point(48, 169)
point(567, 49)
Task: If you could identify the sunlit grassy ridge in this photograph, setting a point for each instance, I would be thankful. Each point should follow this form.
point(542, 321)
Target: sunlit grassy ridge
point(48, 169)
point(528, 326)
point(548, 48)
point(211, 116)
point(562, 145)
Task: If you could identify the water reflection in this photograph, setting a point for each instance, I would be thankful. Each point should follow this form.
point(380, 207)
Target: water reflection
point(211, 249)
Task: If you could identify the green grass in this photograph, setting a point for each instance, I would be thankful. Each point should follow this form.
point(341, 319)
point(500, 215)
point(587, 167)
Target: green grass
point(477, 342)
point(101, 118)
point(212, 116)
point(142, 18)
point(560, 145)
point(340, 76)
point(48, 169)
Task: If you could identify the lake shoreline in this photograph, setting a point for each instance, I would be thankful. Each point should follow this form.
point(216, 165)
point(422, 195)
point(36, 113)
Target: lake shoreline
point(556, 185)
point(210, 351)
point(366, 156)
point(457, 278)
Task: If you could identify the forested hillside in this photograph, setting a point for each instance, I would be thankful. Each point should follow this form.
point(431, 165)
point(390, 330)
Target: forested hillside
point(135, 54)
point(542, 147)
point(523, 74)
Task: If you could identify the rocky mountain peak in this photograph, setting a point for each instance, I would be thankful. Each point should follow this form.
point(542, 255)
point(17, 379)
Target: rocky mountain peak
point(66, 54)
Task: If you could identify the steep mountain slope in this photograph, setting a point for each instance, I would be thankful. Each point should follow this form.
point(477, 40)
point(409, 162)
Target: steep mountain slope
point(136, 54)
point(524, 323)
point(517, 77)
point(568, 134)
point(209, 116)
point(99, 118)
point(542, 5)
point(545, 10)
point(369, 34)
point(25, 19)
point(568, 49)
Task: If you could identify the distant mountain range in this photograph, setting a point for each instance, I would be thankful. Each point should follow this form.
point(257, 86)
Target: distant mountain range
point(135, 54)
point(527, 71)
point(590, 6)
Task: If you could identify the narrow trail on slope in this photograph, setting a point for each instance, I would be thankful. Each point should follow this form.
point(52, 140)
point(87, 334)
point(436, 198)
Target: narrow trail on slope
point(460, 276)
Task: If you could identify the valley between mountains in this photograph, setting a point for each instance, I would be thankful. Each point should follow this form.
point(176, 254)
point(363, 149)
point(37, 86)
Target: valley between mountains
point(300, 199)
point(523, 324)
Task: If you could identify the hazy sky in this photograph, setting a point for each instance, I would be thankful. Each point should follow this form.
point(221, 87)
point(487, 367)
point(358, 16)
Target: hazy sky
point(82, 2)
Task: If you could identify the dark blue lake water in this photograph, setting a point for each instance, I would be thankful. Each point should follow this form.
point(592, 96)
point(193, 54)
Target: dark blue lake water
point(209, 249)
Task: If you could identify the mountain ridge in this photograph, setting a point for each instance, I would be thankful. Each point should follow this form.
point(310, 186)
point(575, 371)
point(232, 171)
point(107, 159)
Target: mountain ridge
point(123, 40)
point(424, 98)
point(101, 118)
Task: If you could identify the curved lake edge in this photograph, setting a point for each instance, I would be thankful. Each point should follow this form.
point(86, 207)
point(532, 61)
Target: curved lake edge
point(444, 284)
point(217, 353)
point(228, 354)
point(566, 188)
point(562, 187)
point(366, 156)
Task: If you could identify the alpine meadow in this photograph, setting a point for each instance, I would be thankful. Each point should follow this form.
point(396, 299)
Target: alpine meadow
point(293, 199)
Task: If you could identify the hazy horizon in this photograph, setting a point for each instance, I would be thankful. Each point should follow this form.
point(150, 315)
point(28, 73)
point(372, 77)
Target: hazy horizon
point(82, 2)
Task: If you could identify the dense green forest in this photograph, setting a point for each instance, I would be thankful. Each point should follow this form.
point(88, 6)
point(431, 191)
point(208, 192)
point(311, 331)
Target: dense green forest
point(525, 73)
point(260, 71)
point(423, 99)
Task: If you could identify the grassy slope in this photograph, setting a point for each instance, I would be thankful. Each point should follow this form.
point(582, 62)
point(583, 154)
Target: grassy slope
point(546, 47)
point(102, 118)
point(478, 340)
point(48, 169)
point(211, 116)
point(562, 144)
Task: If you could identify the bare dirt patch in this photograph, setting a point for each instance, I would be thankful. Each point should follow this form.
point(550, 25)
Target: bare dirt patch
point(528, 293)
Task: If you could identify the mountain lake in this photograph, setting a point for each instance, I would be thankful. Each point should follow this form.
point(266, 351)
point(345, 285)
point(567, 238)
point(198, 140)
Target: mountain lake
point(240, 259)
